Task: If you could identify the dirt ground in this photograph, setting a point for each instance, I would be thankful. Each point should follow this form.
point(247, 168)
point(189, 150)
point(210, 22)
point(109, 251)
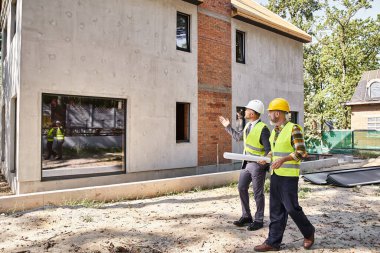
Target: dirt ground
point(346, 220)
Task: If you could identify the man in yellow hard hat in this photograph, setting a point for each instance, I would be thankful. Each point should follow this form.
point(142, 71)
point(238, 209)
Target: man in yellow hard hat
point(256, 142)
point(287, 151)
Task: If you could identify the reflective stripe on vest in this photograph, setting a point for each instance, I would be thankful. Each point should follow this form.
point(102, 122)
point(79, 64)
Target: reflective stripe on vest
point(252, 143)
point(60, 135)
point(283, 148)
point(50, 135)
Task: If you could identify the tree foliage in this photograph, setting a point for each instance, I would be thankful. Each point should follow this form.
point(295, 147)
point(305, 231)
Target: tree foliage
point(343, 47)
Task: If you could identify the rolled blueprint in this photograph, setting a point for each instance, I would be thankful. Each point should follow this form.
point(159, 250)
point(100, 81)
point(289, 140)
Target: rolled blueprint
point(251, 158)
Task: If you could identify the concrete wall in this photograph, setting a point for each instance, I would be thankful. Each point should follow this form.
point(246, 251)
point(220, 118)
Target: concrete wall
point(361, 113)
point(127, 50)
point(273, 68)
point(117, 49)
point(11, 47)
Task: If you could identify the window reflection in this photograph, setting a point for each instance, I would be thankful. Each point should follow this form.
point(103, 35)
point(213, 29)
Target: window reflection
point(183, 35)
point(82, 135)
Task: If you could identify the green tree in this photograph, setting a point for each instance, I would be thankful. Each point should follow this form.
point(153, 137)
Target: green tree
point(300, 13)
point(343, 47)
point(350, 47)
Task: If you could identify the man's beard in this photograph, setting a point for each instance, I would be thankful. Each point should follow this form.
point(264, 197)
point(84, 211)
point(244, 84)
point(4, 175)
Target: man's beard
point(273, 122)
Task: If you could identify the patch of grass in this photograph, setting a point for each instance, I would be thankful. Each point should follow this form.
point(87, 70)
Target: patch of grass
point(87, 218)
point(197, 189)
point(303, 192)
point(356, 189)
point(365, 154)
point(232, 185)
point(87, 203)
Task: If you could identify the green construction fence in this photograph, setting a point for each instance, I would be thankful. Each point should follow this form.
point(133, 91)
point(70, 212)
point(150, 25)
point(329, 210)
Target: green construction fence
point(344, 141)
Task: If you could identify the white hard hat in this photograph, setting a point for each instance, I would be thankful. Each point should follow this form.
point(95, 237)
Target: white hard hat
point(256, 105)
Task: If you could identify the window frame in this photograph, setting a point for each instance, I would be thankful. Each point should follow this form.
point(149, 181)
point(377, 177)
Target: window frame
point(188, 34)
point(88, 175)
point(238, 32)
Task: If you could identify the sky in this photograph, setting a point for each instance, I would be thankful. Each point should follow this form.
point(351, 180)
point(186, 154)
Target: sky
point(361, 14)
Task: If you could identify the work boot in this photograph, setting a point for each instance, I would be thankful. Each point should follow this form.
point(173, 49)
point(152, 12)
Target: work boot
point(308, 242)
point(264, 248)
point(243, 221)
point(255, 226)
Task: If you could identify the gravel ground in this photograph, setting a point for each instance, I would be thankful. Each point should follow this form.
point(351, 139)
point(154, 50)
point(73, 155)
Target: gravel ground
point(346, 220)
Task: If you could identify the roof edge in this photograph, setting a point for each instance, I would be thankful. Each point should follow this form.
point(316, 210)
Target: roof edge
point(258, 15)
point(196, 2)
point(363, 103)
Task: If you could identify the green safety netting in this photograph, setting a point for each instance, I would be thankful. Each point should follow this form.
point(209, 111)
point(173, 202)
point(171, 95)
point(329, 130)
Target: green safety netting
point(344, 141)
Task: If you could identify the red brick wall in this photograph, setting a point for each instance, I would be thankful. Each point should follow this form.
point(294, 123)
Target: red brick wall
point(214, 81)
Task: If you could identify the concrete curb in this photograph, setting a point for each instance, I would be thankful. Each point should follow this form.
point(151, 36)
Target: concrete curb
point(312, 166)
point(133, 190)
point(145, 189)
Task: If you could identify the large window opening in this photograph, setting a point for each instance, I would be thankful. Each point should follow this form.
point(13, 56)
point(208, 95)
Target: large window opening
point(183, 122)
point(82, 136)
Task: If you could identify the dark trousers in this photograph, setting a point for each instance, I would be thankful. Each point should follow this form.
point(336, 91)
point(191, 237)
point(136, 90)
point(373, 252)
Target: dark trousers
point(284, 201)
point(59, 148)
point(49, 147)
point(254, 173)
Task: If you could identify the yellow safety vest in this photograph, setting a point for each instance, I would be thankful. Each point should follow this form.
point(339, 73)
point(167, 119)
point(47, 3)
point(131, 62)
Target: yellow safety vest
point(60, 135)
point(252, 143)
point(50, 134)
point(284, 148)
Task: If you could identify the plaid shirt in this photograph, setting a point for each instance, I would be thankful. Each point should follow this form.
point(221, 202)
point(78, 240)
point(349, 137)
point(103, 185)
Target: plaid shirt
point(297, 142)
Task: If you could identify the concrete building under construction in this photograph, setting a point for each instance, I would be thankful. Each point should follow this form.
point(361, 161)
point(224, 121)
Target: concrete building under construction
point(137, 86)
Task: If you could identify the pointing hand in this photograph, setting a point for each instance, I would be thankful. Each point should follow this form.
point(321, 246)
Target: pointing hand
point(225, 122)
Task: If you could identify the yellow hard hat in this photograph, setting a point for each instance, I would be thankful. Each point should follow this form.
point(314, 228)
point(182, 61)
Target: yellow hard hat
point(279, 104)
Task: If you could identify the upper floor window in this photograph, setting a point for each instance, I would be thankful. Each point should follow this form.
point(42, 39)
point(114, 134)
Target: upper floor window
point(373, 88)
point(183, 32)
point(240, 46)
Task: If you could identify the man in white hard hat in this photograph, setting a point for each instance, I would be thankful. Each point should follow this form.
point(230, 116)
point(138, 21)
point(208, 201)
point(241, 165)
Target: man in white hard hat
point(256, 142)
